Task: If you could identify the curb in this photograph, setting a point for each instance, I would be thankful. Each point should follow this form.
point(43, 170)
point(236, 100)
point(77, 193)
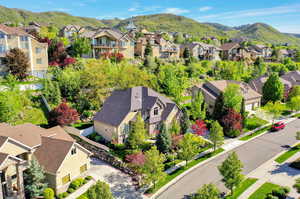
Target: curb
point(172, 182)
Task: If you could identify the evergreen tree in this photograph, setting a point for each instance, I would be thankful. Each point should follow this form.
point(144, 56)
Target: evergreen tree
point(137, 133)
point(207, 191)
point(243, 112)
point(148, 50)
point(153, 168)
point(186, 53)
point(34, 179)
point(185, 121)
point(216, 135)
point(198, 108)
point(273, 89)
point(297, 56)
point(51, 91)
point(219, 111)
point(164, 140)
point(231, 170)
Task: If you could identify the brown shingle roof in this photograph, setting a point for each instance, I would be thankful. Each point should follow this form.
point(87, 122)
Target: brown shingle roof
point(13, 30)
point(27, 134)
point(229, 46)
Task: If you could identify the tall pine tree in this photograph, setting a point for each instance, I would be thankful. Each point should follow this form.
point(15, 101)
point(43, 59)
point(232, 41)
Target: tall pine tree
point(137, 133)
point(164, 140)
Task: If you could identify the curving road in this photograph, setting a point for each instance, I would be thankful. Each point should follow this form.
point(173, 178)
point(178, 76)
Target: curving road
point(252, 154)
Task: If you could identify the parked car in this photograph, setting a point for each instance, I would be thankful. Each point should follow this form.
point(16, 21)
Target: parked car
point(278, 126)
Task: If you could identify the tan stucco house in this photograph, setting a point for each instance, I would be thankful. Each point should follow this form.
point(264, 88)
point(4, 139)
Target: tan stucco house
point(14, 37)
point(62, 158)
point(113, 121)
point(107, 40)
point(212, 90)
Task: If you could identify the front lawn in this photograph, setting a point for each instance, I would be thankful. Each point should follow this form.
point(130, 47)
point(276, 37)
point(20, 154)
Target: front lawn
point(256, 133)
point(179, 171)
point(288, 154)
point(262, 191)
point(242, 188)
point(253, 122)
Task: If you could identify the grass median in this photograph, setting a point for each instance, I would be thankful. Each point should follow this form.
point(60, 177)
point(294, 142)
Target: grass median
point(282, 158)
point(242, 188)
point(179, 171)
point(262, 191)
point(256, 133)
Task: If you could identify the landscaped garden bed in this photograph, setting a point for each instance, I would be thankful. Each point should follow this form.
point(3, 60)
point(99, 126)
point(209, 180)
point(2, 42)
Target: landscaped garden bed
point(282, 158)
point(270, 190)
point(75, 185)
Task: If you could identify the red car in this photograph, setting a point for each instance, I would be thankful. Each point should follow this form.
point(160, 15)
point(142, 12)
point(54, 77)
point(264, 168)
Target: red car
point(278, 126)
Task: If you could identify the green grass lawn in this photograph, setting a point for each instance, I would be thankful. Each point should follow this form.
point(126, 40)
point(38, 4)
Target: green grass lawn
point(179, 171)
point(256, 133)
point(83, 125)
point(288, 154)
point(253, 122)
point(262, 191)
point(242, 188)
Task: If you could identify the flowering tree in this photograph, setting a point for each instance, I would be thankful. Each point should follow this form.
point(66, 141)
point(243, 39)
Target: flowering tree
point(63, 115)
point(136, 160)
point(199, 128)
point(232, 123)
point(114, 57)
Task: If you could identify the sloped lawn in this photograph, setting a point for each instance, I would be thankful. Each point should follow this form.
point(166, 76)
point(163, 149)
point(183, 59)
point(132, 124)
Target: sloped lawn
point(241, 189)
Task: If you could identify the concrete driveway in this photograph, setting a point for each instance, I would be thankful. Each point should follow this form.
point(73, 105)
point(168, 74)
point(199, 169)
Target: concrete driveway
point(120, 183)
point(252, 154)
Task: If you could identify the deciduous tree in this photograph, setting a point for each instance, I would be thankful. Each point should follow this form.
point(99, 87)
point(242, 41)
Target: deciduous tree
point(273, 89)
point(148, 50)
point(294, 103)
point(232, 123)
point(17, 63)
point(207, 191)
point(233, 97)
point(231, 170)
point(216, 135)
point(63, 115)
point(198, 107)
point(274, 109)
point(99, 191)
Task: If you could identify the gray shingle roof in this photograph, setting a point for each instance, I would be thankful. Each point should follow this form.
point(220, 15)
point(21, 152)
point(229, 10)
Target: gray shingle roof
point(121, 102)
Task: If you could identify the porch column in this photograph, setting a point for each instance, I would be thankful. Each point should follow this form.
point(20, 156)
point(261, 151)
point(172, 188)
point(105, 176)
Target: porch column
point(20, 180)
point(1, 191)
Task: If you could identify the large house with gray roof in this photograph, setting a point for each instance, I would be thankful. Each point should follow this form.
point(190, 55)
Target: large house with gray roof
point(121, 108)
point(201, 51)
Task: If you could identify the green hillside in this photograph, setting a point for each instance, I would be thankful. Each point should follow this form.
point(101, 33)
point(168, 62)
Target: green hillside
point(58, 19)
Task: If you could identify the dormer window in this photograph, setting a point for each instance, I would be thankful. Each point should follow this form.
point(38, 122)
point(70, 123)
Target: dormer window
point(73, 151)
point(156, 111)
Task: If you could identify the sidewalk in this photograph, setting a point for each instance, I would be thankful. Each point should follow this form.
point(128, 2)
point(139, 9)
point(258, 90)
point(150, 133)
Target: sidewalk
point(276, 173)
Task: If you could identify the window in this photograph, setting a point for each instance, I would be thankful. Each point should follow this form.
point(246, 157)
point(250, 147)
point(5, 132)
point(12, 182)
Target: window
point(38, 50)
point(156, 111)
point(2, 49)
point(73, 151)
point(66, 179)
point(24, 38)
point(83, 168)
point(2, 35)
point(24, 45)
point(39, 61)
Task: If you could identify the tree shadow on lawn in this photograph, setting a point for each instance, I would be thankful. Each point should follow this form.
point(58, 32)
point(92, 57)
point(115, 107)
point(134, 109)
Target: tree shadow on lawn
point(121, 187)
point(285, 168)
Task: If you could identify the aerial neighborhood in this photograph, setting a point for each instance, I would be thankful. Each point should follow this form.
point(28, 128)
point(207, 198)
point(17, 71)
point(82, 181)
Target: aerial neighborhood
point(135, 108)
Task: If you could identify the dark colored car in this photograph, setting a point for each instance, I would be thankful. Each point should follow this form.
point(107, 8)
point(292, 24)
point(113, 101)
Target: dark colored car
point(278, 126)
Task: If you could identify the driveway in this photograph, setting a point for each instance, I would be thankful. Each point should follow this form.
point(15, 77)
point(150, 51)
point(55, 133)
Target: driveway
point(120, 183)
point(252, 154)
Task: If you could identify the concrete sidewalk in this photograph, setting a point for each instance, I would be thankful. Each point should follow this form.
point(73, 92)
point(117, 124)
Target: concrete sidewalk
point(276, 173)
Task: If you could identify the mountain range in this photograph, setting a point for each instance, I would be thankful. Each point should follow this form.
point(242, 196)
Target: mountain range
point(164, 22)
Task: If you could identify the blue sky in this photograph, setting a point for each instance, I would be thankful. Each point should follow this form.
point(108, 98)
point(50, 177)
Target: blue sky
point(282, 14)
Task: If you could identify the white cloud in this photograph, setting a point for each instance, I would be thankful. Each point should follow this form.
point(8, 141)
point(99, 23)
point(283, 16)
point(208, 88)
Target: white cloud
point(62, 9)
point(132, 9)
point(176, 11)
point(255, 12)
point(205, 8)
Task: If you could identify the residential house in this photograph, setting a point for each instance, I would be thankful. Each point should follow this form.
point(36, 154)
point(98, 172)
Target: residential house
point(113, 120)
point(211, 91)
point(62, 158)
point(293, 77)
point(234, 51)
point(32, 27)
point(69, 30)
point(107, 40)
point(14, 37)
point(262, 51)
point(201, 51)
point(286, 53)
point(258, 83)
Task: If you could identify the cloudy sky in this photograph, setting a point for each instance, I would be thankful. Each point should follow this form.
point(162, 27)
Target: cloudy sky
point(282, 14)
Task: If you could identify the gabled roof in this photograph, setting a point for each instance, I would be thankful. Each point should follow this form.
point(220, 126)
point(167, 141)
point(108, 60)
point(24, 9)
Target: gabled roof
point(113, 32)
point(293, 77)
point(13, 30)
point(5, 156)
point(229, 46)
point(27, 134)
point(258, 83)
point(122, 102)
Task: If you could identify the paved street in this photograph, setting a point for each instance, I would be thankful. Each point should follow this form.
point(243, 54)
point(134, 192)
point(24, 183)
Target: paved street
point(252, 154)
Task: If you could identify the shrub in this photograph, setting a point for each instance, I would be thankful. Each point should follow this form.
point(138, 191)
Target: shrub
point(62, 195)
point(88, 178)
point(234, 133)
point(84, 181)
point(48, 193)
point(82, 197)
point(71, 190)
point(76, 183)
